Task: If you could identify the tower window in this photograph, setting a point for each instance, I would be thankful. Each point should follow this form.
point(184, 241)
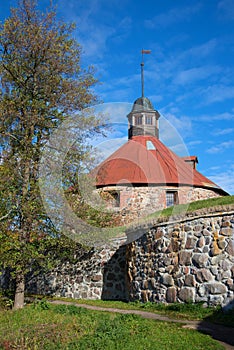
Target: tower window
point(148, 120)
point(138, 120)
point(171, 198)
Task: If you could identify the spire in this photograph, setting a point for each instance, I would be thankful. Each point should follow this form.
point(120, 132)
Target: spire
point(142, 70)
point(143, 118)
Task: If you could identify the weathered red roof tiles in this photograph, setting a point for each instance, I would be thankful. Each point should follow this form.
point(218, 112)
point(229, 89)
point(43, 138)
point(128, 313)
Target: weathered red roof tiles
point(146, 160)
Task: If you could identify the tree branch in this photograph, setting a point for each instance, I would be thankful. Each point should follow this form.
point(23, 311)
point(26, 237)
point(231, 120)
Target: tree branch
point(5, 216)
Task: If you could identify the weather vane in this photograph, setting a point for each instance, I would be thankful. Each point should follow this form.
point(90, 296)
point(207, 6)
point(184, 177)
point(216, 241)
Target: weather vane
point(142, 70)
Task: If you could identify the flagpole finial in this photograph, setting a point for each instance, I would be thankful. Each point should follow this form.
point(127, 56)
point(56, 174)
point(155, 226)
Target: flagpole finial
point(142, 70)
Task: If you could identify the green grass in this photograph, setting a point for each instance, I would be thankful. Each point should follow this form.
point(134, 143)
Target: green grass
point(192, 207)
point(180, 311)
point(206, 203)
point(51, 327)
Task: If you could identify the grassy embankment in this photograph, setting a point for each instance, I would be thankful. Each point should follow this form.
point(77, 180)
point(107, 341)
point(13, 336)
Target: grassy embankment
point(194, 206)
point(50, 327)
point(165, 214)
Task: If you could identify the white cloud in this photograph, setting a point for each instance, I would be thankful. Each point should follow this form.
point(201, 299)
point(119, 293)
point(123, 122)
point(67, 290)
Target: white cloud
point(175, 15)
point(183, 124)
point(226, 8)
point(218, 93)
point(120, 89)
point(221, 116)
point(94, 25)
point(122, 30)
point(221, 132)
point(169, 134)
point(215, 168)
point(224, 179)
point(219, 148)
point(155, 98)
point(128, 80)
point(201, 51)
point(196, 74)
point(172, 72)
point(93, 37)
point(116, 111)
point(193, 143)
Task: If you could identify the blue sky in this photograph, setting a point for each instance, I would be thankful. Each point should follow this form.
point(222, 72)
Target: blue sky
point(189, 75)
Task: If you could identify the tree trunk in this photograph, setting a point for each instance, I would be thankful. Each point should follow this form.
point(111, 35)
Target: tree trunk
point(19, 291)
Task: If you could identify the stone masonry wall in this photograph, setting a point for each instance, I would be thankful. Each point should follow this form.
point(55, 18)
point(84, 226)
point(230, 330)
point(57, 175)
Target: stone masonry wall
point(188, 260)
point(196, 194)
point(99, 275)
point(136, 202)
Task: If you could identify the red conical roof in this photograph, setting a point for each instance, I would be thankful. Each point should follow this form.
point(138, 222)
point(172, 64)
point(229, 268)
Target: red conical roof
point(146, 160)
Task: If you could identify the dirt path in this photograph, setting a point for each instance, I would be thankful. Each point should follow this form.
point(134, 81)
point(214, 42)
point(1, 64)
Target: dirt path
point(225, 335)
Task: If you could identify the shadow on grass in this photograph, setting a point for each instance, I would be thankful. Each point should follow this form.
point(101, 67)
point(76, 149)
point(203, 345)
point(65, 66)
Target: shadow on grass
point(220, 325)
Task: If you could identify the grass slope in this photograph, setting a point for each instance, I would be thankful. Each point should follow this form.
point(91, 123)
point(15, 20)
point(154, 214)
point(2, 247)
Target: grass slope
point(51, 327)
point(194, 206)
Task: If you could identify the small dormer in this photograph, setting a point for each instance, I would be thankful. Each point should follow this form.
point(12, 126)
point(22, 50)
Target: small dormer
point(143, 119)
point(191, 160)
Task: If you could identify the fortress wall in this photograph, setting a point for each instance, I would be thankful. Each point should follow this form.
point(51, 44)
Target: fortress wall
point(189, 260)
point(100, 274)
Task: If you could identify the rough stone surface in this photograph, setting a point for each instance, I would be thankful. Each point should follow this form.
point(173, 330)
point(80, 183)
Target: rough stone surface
point(102, 275)
point(187, 294)
point(185, 257)
point(171, 295)
point(167, 280)
point(190, 281)
point(230, 248)
point(200, 260)
point(204, 275)
point(216, 288)
point(167, 262)
point(135, 202)
point(196, 253)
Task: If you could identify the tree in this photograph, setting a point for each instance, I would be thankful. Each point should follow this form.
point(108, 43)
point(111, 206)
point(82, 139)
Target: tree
point(41, 84)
